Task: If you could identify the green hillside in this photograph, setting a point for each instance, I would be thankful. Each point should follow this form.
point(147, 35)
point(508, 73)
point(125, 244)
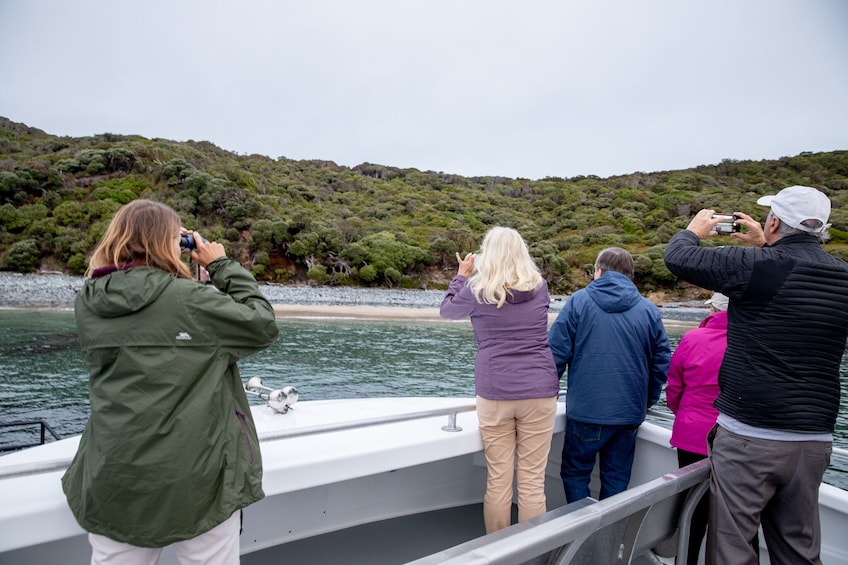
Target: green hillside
point(370, 225)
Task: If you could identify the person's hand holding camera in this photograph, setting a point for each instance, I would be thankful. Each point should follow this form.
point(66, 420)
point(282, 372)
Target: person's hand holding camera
point(201, 251)
point(754, 231)
point(704, 222)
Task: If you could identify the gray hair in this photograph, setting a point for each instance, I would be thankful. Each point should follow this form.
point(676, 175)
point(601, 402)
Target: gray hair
point(785, 229)
point(617, 260)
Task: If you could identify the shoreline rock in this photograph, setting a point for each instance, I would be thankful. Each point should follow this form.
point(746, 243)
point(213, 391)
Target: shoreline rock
point(40, 290)
point(57, 290)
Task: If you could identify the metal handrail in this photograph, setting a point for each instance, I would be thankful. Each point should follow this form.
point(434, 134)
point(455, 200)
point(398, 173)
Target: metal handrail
point(24, 469)
point(44, 427)
point(840, 452)
point(450, 412)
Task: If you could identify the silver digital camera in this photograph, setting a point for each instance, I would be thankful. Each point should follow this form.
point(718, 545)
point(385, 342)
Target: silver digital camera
point(727, 224)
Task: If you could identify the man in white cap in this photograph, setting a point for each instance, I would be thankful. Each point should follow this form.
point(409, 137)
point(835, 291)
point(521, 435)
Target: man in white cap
point(779, 380)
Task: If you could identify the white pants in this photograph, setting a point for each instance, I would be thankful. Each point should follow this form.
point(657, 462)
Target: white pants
point(218, 546)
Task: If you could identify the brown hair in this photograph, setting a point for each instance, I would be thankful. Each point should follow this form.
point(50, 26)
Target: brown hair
point(141, 232)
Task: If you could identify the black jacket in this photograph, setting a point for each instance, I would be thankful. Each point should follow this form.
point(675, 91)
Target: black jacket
point(787, 327)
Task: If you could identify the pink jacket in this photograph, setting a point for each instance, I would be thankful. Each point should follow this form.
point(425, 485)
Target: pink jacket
point(693, 383)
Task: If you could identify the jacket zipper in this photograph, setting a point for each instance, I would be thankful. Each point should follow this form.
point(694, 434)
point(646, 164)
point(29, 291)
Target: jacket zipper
point(243, 423)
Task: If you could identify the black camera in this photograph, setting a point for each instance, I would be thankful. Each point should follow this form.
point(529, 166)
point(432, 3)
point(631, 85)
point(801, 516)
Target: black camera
point(187, 242)
point(727, 224)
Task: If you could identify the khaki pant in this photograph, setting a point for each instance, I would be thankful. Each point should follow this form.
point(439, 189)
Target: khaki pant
point(218, 546)
point(517, 440)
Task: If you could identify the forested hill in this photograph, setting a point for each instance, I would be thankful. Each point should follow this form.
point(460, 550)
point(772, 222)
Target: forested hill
point(314, 221)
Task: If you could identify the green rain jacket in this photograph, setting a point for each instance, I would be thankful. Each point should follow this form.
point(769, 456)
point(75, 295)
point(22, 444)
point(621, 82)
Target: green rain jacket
point(170, 450)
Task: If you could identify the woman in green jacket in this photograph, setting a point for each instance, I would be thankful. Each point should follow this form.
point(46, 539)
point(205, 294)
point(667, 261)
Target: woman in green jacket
point(170, 453)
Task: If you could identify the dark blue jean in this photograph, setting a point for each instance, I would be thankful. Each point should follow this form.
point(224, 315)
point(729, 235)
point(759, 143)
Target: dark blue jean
point(583, 442)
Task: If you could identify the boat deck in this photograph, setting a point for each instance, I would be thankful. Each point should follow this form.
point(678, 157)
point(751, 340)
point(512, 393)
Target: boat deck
point(395, 541)
point(387, 542)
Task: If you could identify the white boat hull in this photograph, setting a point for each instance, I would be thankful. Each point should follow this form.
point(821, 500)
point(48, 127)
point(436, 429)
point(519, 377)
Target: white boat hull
point(325, 482)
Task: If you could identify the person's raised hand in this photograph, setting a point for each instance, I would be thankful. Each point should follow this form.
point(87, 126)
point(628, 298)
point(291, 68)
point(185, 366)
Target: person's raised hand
point(205, 252)
point(703, 223)
point(466, 265)
point(753, 233)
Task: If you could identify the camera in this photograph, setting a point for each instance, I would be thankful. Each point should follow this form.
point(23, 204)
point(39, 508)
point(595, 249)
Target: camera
point(727, 224)
point(187, 242)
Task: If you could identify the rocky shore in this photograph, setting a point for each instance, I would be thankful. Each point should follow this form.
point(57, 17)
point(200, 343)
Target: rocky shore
point(59, 290)
point(38, 290)
point(56, 290)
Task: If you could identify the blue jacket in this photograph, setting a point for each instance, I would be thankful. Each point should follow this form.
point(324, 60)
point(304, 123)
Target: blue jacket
point(613, 343)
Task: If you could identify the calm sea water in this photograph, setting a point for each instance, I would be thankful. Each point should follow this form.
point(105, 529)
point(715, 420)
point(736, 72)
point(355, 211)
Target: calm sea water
point(43, 374)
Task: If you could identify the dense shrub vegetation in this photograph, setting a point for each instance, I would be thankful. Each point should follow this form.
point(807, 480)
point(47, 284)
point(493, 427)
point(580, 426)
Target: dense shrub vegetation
point(320, 223)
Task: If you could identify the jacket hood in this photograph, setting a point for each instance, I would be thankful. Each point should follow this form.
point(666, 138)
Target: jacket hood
point(614, 292)
point(123, 292)
point(520, 296)
point(715, 321)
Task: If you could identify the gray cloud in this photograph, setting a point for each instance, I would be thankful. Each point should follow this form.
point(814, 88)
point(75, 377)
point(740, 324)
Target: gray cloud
point(530, 89)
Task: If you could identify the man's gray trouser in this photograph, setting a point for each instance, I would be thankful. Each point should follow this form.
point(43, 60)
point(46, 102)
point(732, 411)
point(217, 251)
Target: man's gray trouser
point(775, 483)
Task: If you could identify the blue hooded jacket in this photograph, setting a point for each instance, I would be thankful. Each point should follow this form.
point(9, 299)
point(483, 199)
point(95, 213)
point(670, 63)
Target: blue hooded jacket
point(613, 344)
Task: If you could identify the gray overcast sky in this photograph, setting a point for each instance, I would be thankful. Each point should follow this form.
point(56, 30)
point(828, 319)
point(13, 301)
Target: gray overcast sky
point(529, 88)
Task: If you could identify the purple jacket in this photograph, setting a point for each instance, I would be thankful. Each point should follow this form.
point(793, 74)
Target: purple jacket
point(513, 359)
point(693, 383)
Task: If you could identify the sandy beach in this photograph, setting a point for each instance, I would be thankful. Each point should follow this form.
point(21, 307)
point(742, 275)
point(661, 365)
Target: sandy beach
point(402, 313)
point(362, 312)
point(57, 291)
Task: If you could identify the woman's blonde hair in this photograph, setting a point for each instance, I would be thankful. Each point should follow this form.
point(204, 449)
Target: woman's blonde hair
point(503, 264)
point(141, 232)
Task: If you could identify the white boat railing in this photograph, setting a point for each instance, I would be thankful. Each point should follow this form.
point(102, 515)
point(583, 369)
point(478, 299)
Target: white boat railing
point(449, 411)
point(23, 469)
point(839, 452)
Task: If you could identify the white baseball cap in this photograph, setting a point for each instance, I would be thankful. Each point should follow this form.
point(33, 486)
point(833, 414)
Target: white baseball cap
point(718, 301)
point(795, 205)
